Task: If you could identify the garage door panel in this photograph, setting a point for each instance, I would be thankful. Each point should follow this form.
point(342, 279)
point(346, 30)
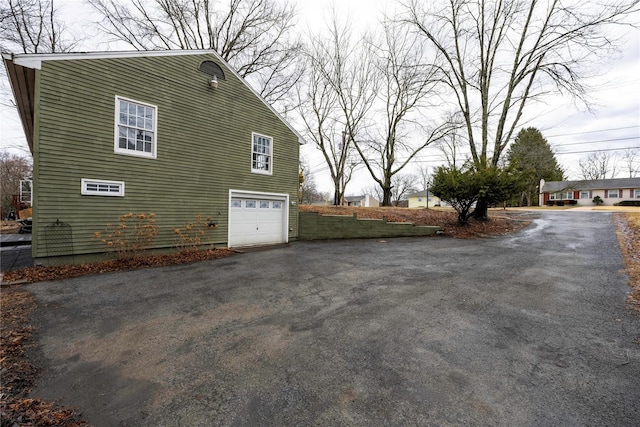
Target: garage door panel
point(256, 221)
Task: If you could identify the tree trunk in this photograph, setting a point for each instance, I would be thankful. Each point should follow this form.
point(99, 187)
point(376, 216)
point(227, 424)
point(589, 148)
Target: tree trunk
point(386, 196)
point(481, 211)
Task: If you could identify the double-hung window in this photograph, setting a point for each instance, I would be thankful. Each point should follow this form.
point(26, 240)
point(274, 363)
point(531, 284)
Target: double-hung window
point(261, 154)
point(636, 193)
point(135, 130)
point(613, 194)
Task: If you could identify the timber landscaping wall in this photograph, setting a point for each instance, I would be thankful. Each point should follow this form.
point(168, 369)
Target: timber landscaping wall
point(315, 227)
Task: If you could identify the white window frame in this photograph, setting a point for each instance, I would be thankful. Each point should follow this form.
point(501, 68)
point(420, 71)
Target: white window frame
point(116, 132)
point(617, 196)
point(26, 191)
point(636, 193)
point(583, 192)
point(85, 191)
point(255, 135)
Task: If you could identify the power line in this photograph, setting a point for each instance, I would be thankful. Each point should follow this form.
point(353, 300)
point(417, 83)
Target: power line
point(596, 151)
point(592, 131)
point(595, 142)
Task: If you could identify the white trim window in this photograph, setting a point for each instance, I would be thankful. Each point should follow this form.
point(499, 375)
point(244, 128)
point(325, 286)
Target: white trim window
point(135, 128)
point(561, 195)
point(636, 193)
point(261, 154)
point(585, 194)
point(99, 187)
point(613, 194)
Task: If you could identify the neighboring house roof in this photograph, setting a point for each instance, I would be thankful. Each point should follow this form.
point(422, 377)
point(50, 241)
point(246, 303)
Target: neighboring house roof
point(421, 194)
point(354, 198)
point(21, 72)
point(596, 184)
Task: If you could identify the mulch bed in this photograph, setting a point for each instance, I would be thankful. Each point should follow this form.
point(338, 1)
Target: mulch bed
point(39, 274)
point(628, 230)
point(500, 221)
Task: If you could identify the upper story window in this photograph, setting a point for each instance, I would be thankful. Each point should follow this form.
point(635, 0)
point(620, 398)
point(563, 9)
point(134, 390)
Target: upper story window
point(262, 154)
point(135, 132)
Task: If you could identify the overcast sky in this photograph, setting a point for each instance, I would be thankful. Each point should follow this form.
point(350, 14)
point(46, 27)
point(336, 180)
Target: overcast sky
point(613, 123)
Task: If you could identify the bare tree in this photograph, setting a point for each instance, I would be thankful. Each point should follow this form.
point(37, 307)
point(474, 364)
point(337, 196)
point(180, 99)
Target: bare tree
point(254, 36)
point(424, 177)
point(406, 81)
point(497, 56)
point(631, 159)
point(402, 186)
point(308, 190)
point(451, 147)
point(13, 168)
point(334, 100)
point(33, 26)
point(374, 191)
point(598, 165)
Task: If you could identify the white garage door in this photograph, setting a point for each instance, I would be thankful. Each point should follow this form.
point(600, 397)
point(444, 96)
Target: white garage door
point(259, 220)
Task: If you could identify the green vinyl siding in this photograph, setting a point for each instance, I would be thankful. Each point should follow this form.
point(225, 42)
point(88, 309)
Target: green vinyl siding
point(203, 147)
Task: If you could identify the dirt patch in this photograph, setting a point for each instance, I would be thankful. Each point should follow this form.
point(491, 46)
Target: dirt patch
point(628, 230)
point(19, 373)
point(500, 221)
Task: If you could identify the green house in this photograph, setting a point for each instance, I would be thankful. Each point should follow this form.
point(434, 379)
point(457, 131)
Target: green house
point(175, 133)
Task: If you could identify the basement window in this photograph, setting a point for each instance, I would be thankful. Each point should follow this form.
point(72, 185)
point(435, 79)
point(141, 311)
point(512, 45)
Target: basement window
point(94, 187)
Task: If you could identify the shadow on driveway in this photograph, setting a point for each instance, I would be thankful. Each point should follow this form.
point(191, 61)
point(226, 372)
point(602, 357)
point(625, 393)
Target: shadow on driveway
point(526, 330)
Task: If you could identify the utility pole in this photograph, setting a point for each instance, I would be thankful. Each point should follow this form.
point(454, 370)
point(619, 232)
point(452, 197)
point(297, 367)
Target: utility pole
point(427, 196)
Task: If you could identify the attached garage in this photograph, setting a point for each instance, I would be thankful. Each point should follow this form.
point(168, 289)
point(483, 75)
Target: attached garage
point(257, 218)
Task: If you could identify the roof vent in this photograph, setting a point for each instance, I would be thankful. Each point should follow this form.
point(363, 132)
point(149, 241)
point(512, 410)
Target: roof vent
point(212, 69)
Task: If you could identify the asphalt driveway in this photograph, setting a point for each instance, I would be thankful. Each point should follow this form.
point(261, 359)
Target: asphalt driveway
point(524, 330)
